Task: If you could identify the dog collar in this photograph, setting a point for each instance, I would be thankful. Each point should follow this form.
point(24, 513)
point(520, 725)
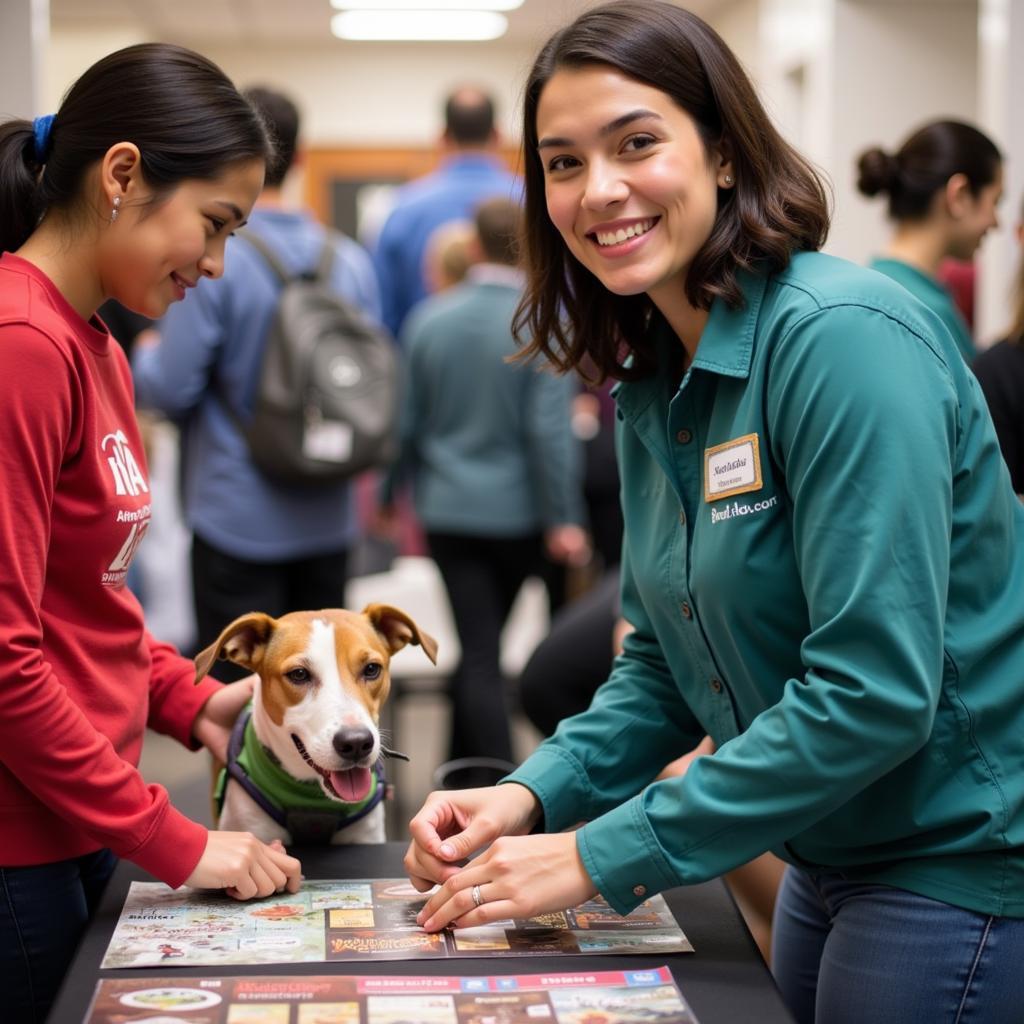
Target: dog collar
point(301, 807)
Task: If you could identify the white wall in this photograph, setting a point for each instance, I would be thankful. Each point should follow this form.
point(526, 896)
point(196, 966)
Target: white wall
point(24, 36)
point(71, 52)
point(897, 65)
point(795, 72)
point(1001, 86)
point(840, 75)
point(371, 93)
point(738, 22)
point(350, 94)
point(380, 94)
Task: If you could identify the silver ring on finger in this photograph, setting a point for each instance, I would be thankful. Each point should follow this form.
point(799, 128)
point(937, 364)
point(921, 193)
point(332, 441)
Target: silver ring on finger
point(478, 899)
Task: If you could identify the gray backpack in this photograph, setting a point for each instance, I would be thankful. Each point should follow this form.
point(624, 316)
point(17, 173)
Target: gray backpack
point(327, 399)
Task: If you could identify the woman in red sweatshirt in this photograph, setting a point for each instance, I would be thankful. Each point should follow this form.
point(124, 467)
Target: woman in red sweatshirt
point(128, 192)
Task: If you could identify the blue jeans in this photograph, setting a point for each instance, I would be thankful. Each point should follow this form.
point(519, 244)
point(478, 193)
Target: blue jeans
point(846, 952)
point(44, 909)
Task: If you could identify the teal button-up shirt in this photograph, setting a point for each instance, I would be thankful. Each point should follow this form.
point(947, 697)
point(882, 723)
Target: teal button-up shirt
point(934, 294)
point(825, 571)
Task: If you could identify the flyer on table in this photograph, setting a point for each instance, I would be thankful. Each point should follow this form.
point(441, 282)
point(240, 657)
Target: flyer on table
point(368, 919)
point(647, 996)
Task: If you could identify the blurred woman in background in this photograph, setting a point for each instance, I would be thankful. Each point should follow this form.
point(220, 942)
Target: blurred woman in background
point(943, 186)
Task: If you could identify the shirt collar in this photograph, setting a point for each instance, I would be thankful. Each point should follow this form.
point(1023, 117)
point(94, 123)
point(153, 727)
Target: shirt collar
point(726, 346)
point(898, 269)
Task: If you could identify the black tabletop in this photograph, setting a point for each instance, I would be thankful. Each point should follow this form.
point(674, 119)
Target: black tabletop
point(725, 980)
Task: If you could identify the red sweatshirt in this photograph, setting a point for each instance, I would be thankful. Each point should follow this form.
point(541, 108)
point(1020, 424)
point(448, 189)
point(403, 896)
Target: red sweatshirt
point(80, 677)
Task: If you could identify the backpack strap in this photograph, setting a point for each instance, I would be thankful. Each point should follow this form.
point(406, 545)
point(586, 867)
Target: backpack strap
point(236, 770)
point(267, 253)
point(323, 267)
point(283, 275)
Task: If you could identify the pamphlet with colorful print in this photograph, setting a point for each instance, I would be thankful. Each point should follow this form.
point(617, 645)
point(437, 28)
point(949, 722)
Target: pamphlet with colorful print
point(598, 997)
point(368, 919)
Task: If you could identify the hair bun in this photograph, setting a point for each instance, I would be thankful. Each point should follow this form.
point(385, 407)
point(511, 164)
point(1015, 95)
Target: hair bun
point(877, 171)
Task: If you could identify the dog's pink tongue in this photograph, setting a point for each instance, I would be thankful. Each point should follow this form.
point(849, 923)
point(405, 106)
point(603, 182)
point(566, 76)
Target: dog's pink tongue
point(353, 785)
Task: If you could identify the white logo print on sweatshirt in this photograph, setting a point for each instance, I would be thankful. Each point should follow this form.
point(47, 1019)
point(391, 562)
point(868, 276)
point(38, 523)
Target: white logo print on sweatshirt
point(128, 478)
point(128, 481)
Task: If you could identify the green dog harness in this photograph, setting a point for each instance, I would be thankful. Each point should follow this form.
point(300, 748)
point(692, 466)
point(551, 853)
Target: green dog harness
point(301, 807)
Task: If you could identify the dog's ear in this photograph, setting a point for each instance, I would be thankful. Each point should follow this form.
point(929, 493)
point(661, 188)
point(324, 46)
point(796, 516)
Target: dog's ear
point(398, 629)
point(243, 642)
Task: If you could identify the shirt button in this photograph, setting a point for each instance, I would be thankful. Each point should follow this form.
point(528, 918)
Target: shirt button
point(639, 890)
point(682, 517)
point(684, 436)
point(716, 685)
point(685, 609)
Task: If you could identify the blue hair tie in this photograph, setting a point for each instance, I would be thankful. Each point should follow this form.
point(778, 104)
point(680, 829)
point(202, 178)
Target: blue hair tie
point(41, 128)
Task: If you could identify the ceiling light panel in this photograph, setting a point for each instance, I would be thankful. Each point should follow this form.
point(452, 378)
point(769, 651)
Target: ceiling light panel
point(420, 5)
point(419, 25)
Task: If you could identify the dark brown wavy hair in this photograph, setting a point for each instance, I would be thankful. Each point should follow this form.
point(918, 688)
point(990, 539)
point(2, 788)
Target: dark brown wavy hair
point(778, 205)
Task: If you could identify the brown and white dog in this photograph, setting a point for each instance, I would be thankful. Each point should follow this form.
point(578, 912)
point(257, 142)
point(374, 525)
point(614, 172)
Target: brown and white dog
point(312, 742)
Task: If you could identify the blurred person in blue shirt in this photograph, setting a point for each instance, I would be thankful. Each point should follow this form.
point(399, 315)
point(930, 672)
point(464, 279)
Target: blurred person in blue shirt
point(471, 171)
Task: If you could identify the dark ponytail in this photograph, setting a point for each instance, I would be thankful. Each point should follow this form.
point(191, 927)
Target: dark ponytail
point(877, 171)
point(924, 163)
point(20, 207)
point(184, 114)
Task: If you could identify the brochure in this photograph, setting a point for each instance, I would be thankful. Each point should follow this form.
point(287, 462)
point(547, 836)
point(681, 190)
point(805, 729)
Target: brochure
point(367, 919)
point(602, 997)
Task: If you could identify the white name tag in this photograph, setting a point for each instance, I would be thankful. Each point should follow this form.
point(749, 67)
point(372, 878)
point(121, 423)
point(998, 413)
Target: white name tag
point(327, 441)
point(732, 468)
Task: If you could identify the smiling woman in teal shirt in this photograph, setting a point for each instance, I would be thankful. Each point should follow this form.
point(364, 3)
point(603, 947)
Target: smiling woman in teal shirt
point(823, 559)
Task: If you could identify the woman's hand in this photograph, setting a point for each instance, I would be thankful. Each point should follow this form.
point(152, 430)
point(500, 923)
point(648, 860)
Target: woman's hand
point(212, 726)
point(243, 867)
point(455, 823)
point(519, 876)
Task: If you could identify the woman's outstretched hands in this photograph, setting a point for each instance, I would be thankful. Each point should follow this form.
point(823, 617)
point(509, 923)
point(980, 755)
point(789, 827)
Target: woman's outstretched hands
point(519, 876)
point(455, 823)
point(244, 867)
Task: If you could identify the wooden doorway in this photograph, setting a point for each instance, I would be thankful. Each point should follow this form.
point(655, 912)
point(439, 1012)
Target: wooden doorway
point(338, 182)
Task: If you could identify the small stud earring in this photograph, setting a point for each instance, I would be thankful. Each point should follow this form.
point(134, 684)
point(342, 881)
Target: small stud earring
point(728, 179)
point(114, 212)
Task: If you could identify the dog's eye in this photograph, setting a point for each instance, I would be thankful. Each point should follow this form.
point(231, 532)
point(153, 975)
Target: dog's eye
point(372, 671)
point(298, 675)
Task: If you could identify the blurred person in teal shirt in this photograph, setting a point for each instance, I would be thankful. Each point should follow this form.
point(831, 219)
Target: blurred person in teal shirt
point(943, 184)
point(822, 560)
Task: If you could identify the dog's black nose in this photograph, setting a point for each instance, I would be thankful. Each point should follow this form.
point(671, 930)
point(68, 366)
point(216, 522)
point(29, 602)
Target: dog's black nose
point(353, 743)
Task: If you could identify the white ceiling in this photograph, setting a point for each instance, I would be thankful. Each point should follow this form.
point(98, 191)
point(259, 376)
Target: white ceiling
point(219, 22)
